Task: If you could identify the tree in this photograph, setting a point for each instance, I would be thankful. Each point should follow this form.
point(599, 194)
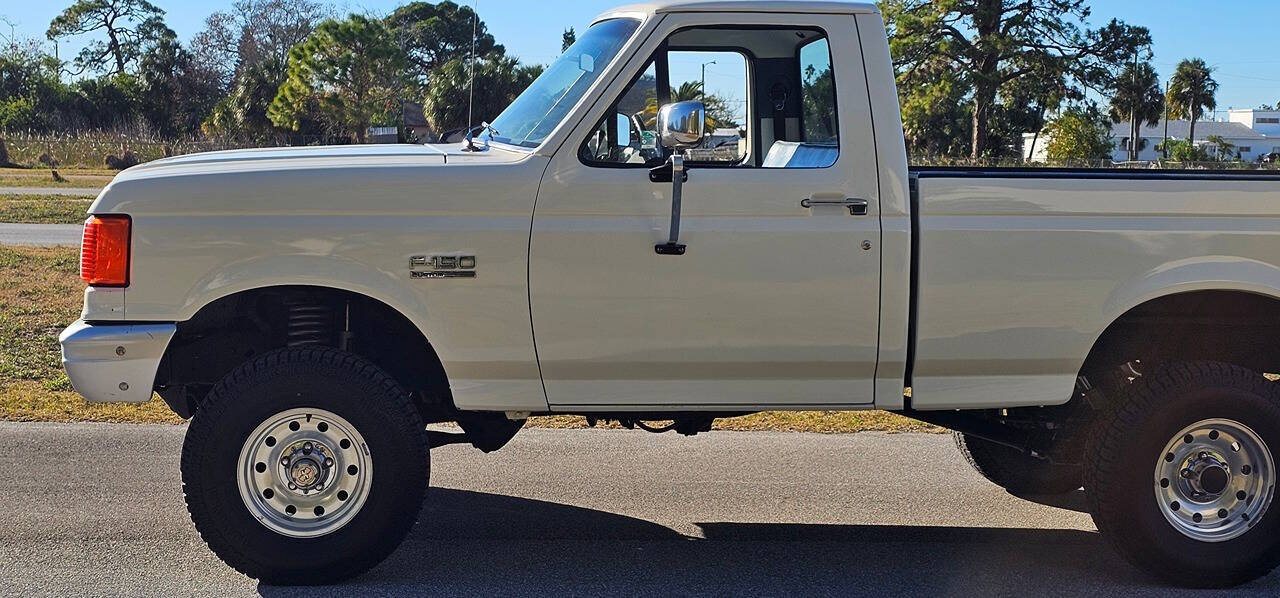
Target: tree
point(128, 24)
point(1223, 149)
point(32, 97)
point(991, 43)
point(254, 32)
point(716, 109)
point(1192, 91)
point(568, 38)
point(1078, 134)
point(242, 114)
point(352, 69)
point(174, 93)
point(433, 34)
point(936, 119)
point(498, 80)
point(1137, 98)
point(1185, 150)
point(818, 95)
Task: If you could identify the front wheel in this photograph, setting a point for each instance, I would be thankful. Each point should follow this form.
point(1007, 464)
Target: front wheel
point(1181, 478)
point(305, 466)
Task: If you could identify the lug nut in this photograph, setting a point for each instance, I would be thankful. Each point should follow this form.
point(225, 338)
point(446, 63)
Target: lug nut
point(306, 448)
point(328, 462)
point(285, 461)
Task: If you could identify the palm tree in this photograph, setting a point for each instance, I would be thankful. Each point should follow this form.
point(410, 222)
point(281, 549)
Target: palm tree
point(1224, 147)
point(689, 91)
point(1138, 99)
point(1192, 91)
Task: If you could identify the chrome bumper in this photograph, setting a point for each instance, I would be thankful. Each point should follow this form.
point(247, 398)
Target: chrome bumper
point(114, 363)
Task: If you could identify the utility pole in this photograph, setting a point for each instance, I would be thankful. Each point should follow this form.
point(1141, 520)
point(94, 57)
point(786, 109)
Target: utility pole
point(1164, 146)
point(1134, 146)
point(703, 89)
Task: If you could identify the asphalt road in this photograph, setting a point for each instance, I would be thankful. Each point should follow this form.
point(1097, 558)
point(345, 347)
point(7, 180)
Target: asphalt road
point(72, 191)
point(40, 234)
point(96, 509)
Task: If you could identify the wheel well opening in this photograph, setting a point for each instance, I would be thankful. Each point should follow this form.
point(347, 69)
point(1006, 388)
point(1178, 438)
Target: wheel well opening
point(232, 329)
point(1229, 326)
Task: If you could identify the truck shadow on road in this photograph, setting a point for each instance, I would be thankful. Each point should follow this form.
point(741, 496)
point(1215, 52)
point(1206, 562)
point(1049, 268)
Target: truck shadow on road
point(472, 543)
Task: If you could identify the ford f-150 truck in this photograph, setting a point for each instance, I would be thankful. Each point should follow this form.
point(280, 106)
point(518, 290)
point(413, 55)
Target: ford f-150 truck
point(314, 310)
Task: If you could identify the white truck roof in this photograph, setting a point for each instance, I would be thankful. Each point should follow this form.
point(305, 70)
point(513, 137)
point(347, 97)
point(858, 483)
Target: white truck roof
point(793, 6)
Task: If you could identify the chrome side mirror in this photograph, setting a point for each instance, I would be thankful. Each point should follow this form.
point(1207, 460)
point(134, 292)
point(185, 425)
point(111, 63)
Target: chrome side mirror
point(680, 127)
point(681, 124)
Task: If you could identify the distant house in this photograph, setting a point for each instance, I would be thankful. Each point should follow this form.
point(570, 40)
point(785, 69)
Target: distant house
point(1250, 140)
point(412, 121)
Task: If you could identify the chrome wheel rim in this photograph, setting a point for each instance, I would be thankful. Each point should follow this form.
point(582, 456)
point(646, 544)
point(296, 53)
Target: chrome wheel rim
point(1214, 480)
point(304, 472)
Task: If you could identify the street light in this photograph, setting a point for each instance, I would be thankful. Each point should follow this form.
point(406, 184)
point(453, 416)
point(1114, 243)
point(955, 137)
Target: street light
point(704, 81)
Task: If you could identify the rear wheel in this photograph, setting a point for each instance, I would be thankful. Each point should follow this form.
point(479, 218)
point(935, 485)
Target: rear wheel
point(1016, 471)
point(1182, 475)
point(305, 466)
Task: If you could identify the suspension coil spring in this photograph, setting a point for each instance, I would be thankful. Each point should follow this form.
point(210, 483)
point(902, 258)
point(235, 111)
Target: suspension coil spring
point(308, 323)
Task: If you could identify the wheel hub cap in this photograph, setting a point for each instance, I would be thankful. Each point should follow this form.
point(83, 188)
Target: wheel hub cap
point(304, 472)
point(1214, 480)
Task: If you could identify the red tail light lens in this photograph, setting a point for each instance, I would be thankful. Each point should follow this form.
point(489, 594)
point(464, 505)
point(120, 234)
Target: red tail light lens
point(104, 252)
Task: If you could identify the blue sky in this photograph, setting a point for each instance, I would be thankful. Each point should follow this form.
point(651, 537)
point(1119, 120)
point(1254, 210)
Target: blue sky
point(1236, 36)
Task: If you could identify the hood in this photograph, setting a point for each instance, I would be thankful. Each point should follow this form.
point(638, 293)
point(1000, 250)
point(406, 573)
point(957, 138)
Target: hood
point(331, 179)
point(335, 156)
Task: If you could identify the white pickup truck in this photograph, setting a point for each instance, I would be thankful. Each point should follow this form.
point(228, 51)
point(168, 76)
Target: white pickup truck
point(312, 310)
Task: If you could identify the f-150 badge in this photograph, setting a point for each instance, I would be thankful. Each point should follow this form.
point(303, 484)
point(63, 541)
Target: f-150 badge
point(442, 266)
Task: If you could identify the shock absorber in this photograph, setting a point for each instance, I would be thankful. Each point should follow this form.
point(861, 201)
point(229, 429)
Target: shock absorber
point(309, 323)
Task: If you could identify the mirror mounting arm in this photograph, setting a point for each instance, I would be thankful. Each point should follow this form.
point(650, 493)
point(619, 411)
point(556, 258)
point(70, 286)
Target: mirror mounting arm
point(677, 175)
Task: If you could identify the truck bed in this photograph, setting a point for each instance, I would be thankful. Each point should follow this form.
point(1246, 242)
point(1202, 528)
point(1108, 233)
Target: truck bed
point(1017, 272)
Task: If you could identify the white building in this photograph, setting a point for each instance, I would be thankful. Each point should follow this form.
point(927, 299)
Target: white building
point(1251, 133)
point(1266, 122)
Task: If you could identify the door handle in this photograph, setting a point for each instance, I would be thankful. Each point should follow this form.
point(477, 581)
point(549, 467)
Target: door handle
point(857, 207)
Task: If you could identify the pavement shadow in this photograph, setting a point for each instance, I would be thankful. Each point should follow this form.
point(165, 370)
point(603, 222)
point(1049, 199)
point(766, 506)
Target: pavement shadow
point(1071, 501)
point(472, 543)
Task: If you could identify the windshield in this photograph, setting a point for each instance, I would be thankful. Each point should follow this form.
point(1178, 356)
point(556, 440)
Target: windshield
point(532, 116)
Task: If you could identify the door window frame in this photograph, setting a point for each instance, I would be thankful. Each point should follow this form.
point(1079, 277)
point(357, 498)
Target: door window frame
point(662, 76)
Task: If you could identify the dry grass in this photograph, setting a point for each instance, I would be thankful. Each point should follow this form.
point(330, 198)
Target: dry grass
point(43, 209)
point(40, 293)
point(822, 422)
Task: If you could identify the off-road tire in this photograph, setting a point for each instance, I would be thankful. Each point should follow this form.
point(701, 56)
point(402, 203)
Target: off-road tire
point(1015, 471)
point(308, 377)
point(1144, 417)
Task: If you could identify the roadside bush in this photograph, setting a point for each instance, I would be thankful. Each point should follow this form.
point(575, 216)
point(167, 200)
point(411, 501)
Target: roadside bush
point(1182, 150)
point(4, 153)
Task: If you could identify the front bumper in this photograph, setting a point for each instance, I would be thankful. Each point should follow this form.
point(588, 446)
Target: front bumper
point(114, 363)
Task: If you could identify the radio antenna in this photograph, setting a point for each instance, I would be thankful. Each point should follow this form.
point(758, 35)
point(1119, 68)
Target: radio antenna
point(471, 86)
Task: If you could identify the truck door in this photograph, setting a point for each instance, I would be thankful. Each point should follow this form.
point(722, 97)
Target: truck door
point(775, 300)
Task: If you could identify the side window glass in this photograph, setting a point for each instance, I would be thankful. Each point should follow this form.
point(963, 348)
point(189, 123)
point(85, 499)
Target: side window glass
point(819, 145)
point(719, 81)
point(626, 135)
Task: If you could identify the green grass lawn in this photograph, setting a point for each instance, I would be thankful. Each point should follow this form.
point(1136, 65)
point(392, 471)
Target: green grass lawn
point(43, 209)
point(40, 293)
